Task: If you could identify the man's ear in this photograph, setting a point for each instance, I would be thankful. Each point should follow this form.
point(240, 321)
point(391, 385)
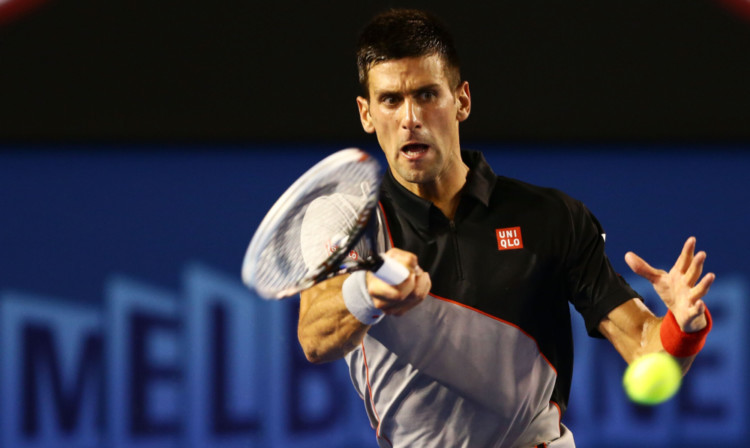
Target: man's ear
point(463, 98)
point(364, 114)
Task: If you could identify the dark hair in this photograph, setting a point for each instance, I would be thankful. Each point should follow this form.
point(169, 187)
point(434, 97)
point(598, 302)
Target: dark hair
point(404, 33)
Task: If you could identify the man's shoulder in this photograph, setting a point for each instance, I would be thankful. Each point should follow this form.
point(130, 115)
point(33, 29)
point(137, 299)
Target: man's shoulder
point(515, 189)
point(508, 187)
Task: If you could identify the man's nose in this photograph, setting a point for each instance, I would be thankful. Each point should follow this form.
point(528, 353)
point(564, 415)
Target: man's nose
point(411, 115)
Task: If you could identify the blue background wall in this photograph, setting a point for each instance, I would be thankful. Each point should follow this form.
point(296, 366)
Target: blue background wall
point(123, 321)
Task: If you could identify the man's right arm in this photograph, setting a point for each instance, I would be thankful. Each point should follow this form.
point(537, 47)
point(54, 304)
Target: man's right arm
point(327, 330)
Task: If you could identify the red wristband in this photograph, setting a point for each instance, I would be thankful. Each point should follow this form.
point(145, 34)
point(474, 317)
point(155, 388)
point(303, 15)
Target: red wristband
point(678, 343)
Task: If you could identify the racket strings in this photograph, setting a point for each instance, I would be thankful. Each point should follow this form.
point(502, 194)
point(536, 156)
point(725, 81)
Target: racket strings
point(350, 210)
point(315, 228)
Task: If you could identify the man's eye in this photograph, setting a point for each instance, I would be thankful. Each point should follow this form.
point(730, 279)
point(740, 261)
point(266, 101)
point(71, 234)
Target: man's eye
point(427, 95)
point(389, 100)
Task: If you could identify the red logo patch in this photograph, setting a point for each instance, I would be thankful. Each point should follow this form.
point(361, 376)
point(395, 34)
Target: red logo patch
point(509, 238)
point(331, 248)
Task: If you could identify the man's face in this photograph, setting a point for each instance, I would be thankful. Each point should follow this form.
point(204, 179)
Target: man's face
point(415, 111)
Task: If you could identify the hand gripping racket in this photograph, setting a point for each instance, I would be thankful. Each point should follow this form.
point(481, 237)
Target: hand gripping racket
point(311, 232)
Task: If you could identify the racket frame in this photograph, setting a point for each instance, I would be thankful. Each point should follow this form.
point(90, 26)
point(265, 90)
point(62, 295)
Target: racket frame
point(336, 263)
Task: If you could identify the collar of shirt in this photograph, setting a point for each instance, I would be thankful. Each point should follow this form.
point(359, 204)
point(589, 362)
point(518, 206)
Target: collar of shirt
point(480, 182)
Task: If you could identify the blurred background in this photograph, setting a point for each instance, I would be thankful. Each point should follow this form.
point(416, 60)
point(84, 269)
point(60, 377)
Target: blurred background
point(141, 143)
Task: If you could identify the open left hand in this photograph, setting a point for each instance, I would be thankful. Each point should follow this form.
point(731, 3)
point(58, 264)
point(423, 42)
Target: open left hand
point(679, 288)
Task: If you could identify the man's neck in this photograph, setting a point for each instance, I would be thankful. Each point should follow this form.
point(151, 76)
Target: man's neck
point(445, 191)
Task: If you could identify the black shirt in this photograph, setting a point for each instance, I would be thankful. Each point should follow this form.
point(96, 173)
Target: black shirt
point(514, 251)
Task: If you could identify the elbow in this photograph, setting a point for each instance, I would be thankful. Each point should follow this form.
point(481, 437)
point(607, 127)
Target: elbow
point(315, 352)
point(312, 355)
point(321, 346)
point(319, 351)
point(316, 356)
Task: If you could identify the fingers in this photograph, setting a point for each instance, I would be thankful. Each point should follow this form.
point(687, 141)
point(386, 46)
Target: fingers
point(701, 289)
point(422, 286)
point(692, 271)
point(381, 290)
point(421, 289)
point(687, 263)
point(398, 299)
point(640, 267)
point(408, 259)
point(686, 256)
point(695, 270)
point(696, 309)
point(680, 288)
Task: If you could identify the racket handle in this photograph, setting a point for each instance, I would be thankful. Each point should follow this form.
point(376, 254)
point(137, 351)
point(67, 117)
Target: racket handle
point(391, 271)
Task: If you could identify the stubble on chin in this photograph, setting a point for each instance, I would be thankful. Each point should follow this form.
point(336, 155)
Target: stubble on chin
point(417, 176)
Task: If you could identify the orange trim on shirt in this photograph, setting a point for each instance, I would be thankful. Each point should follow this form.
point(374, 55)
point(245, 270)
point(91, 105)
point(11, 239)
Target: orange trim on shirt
point(387, 227)
point(499, 320)
point(372, 401)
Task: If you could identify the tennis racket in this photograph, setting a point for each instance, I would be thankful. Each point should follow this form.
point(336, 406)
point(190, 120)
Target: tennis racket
point(316, 229)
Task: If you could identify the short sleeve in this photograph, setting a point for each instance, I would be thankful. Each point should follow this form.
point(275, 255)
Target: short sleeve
point(596, 289)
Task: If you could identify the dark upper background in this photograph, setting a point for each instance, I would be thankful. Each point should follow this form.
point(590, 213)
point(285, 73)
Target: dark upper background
point(230, 71)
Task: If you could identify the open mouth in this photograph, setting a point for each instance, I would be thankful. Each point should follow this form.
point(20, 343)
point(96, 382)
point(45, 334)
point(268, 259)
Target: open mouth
point(414, 150)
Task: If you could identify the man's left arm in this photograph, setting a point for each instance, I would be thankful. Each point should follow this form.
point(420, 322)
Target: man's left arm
point(635, 331)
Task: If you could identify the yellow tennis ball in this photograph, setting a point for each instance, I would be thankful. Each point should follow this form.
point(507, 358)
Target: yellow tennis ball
point(652, 379)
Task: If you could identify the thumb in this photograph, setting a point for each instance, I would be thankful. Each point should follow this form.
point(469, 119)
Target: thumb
point(640, 267)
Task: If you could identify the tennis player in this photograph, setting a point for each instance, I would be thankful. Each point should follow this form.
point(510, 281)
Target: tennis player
point(475, 348)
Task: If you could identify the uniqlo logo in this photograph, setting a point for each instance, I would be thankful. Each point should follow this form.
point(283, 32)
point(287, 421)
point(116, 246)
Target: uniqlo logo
point(509, 238)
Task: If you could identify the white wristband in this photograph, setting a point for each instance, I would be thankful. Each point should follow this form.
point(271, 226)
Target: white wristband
point(358, 300)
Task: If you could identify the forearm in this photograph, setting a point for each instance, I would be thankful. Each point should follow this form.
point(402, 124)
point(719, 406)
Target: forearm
point(327, 330)
point(330, 326)
point(634, 331)
point(642, 342)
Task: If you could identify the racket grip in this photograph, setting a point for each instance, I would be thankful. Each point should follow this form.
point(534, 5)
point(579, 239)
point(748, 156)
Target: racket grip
point(391, 271)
